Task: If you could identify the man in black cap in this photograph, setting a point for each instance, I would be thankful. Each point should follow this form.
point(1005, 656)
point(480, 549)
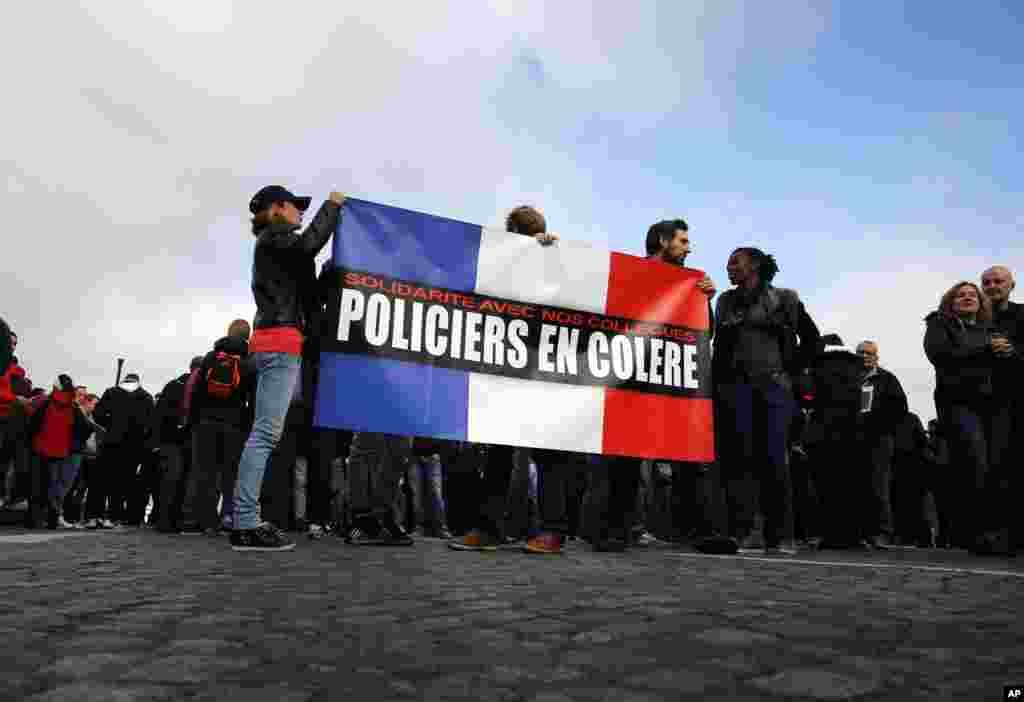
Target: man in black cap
point(284, 288)
point(126, 411)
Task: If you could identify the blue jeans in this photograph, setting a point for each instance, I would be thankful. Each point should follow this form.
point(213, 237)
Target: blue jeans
point(277, 381)
point(427, 479)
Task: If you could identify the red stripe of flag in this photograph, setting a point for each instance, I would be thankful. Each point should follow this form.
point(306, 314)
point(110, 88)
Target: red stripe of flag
point(644, 424)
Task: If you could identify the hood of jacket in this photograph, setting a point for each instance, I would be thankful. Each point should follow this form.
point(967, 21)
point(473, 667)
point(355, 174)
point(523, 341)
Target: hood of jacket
point(232, 345)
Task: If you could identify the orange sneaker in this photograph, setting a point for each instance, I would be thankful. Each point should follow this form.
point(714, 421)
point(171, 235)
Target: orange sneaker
point(545, 542)
point(475, 540)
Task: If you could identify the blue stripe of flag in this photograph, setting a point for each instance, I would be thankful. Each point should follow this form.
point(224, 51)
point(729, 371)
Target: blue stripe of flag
point(369, 393)
point(409, 245)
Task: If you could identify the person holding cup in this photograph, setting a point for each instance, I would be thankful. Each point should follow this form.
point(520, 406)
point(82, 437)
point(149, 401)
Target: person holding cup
point(1007, 337)
point(960, 344)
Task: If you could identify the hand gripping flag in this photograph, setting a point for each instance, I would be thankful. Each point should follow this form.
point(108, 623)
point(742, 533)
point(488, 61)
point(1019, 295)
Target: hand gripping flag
point(438, 328)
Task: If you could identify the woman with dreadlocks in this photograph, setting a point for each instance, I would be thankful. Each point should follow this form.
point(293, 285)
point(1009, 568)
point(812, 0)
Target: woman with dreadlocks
point(763, 339)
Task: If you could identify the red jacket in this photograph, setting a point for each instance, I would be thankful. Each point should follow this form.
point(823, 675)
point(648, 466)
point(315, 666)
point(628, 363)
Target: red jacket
point(7, 397)
point(56, 426)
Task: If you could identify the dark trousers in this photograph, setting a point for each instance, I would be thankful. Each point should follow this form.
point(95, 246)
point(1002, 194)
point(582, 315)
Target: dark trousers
point(376, 464)
point(557, 474)
point(612, 497)
point(326, 446)
point(14, 447)
point(122, 464)
point(493, 497)
point(979, 449)
point(174, 465)
point(695, 499)
point(216, 450)
point(463, 485)
point(147, 486)
point(74, 502)
point(878, 511)
point(754, 428)
point(806, 511)
point(38, 514)
point(909, 499)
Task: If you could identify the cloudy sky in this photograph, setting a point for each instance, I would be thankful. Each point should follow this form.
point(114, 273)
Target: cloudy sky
point(874, 147)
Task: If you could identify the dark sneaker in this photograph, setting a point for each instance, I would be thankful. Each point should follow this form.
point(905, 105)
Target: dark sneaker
point(752, 543)
point(610, 544)
point(366, 532)
point(392, 534)
point(880, 542)
point(190, 530)
point(265, 537)
point(719, 545)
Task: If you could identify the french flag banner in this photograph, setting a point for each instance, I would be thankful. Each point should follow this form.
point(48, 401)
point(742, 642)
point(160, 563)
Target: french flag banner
point(438, 328)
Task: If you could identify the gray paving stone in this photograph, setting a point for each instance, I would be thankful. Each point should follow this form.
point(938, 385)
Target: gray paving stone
point(819, 684)
point(735, 637)
point(80, 666)
point(189, 669)
point(104, 692)
point(673, 679)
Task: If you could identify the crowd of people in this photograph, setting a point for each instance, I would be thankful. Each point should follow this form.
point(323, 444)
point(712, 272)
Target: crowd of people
point(816, 447)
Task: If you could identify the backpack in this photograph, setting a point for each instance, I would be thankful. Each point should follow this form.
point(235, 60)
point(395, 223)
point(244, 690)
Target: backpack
point(223, 377)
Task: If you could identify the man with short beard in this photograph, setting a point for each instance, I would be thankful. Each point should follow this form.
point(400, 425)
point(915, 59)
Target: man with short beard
point(668, 241)
point(1008, 322)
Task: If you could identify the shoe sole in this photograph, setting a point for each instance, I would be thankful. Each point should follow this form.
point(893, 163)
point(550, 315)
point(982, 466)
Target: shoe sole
point(287, 547)
point(462, 547)
point(541, 552)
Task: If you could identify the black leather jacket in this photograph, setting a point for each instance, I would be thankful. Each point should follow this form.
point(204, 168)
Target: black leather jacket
point(284, 272)
point(962, 359)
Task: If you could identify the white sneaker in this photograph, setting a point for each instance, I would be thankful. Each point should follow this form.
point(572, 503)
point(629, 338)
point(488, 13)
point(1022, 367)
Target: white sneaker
point(316, 531)
point(64, 524)
point(107, 524)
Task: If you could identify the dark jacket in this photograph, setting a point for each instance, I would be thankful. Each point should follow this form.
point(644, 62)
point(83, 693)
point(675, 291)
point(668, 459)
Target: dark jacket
point(284, 271)
point(962, 358)
point(1008, 373)
point(235, 410)
point(765, 335)
point(888, 405)
point(128, 416)
point(58, 426)
point(836, 387)
point(6, 352)
point(167, 420)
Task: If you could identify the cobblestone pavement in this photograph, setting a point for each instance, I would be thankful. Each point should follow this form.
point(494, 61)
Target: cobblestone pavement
point(137, 615)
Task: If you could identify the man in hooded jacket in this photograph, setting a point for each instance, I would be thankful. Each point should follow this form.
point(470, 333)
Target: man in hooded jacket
point(126, 411)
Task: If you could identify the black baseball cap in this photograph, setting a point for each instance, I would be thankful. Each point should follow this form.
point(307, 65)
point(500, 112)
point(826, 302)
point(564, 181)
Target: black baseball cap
point(275, 193)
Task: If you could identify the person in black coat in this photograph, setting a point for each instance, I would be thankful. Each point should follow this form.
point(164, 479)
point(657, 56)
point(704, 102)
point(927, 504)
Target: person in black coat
point(127, 412)
point(1008, 321)
point(883, 408)
point(961, 346)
